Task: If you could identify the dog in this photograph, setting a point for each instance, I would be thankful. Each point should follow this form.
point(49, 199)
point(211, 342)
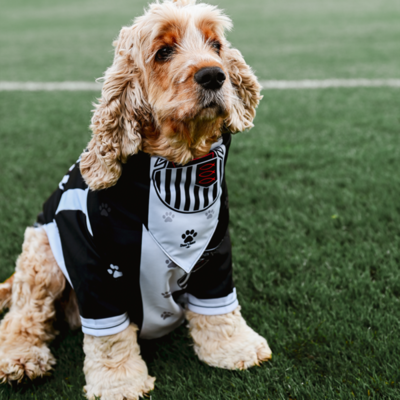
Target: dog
point(135, 238)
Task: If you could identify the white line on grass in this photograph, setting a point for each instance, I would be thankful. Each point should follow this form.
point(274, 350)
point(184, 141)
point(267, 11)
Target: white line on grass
point(330, 83)
point(49, 86)
point(272, 84)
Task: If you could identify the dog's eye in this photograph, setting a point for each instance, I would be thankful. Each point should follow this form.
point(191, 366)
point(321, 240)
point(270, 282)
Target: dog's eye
point(216, 46)
point(164, 54)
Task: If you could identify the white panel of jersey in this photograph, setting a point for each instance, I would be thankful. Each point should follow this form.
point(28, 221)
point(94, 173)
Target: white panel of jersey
point(158, 280)
point(189, 197)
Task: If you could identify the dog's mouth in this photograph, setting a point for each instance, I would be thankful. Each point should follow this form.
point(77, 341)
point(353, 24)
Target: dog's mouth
point(212, 104)
point(213, 109)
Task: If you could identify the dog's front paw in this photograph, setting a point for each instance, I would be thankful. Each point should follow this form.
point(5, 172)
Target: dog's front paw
point(113, 367)
point(18, 361)
point(128, 388)
point(226, 341)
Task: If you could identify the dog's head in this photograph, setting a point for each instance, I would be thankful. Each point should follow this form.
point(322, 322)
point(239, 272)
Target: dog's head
point(174, 87)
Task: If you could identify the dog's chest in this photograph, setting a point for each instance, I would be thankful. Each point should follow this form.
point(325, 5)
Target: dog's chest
point(179, 207)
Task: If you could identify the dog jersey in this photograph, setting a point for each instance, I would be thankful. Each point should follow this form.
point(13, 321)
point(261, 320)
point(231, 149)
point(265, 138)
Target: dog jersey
point(147, 248)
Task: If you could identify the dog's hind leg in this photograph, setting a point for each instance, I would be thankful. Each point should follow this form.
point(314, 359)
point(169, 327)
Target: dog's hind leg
point(69, 304)
point(27, 328)
point(6, 292)
point(226, 341)
point(114, 369)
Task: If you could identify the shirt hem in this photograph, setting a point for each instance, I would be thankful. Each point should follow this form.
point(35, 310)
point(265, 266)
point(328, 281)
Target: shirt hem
point(215, 310)
point(106, 331)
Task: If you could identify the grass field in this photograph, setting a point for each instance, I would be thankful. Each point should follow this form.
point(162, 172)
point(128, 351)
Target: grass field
point(314, 192)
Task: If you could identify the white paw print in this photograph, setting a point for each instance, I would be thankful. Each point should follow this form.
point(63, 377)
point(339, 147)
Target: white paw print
point(168, 216)
point(209, 214)
point(114, 271)
point(63, 182)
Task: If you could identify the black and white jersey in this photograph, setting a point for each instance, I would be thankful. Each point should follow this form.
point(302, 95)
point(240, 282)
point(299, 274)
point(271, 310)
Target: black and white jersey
point(146, 248)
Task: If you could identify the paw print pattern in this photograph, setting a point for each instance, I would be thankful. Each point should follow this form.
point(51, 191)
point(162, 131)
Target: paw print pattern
point(168, 216)
point(166, 314)
point(170, 264)
point(113, 270)
point(104, 209)
point(209, 214)
point(188, 238)
point(63, 182)
point(166, 295)
point(227, 202)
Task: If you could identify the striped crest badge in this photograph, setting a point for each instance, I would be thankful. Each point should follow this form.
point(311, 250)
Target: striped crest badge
point(191, 188)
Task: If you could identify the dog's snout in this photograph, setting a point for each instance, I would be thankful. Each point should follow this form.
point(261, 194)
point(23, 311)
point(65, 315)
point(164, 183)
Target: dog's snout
point(210, 78)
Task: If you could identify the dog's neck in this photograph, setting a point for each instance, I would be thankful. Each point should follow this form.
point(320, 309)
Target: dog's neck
point(181, 142)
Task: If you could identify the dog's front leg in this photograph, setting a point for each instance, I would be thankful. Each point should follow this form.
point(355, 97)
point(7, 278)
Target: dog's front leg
point(113, 367)
point(226, 341)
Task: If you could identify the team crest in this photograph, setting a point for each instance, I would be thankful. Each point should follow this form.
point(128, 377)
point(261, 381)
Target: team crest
point(191, 188)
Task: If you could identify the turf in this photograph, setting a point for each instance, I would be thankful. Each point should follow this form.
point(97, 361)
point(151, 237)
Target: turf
point(314, 194)
point(54, 40)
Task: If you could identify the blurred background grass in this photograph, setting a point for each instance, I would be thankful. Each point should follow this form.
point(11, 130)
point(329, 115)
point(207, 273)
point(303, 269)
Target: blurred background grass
point(314, 191)
point(287, 39)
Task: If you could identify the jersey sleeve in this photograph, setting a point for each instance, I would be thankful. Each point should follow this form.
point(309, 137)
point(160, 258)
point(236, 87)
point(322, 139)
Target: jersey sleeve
point(210, 289)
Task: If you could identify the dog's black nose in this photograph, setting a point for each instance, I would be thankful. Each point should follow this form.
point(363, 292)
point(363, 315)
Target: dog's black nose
point(210, 78)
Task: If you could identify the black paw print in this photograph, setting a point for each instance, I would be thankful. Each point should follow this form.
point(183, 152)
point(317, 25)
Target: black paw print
point(188, 238)
point(104, 209)
point(170, 264)
point(166, 314)
point(168, 216)
point(166, 295)
point(209, 214)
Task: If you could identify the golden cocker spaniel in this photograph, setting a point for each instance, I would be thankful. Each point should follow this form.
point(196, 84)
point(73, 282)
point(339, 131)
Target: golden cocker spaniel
point(174, 94)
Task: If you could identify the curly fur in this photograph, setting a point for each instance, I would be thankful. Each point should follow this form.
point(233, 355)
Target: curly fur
point(242, 77)
point(6, 293)
point(157, 108)
point(27, 328)
point(226, 341)
point(114, 369)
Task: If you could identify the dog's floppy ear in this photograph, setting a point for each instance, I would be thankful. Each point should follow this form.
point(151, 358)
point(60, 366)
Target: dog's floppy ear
point(247, 89)
point(117, 118)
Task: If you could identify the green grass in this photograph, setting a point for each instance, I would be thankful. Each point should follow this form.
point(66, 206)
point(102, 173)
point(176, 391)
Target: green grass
point(314, 193)
point(54, 40)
